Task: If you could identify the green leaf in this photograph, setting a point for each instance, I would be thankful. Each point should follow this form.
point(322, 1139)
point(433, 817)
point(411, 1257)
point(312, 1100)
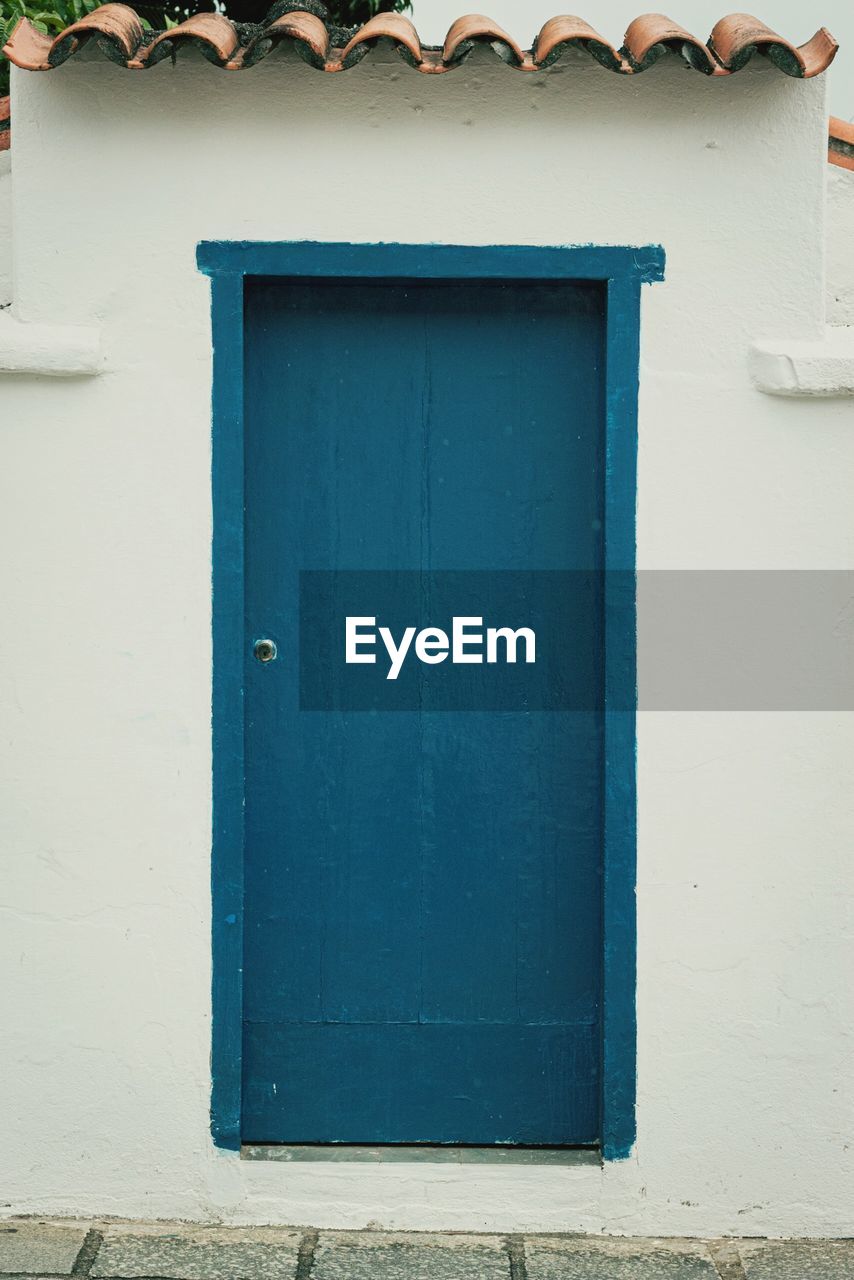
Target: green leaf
point(49, 21)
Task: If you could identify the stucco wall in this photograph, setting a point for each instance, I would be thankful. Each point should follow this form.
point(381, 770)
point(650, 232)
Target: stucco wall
point(746, 914)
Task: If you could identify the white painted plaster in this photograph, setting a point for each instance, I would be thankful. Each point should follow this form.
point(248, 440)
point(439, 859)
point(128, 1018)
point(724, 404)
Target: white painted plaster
point(746, 911)
point(54, 350)
point(822, 367)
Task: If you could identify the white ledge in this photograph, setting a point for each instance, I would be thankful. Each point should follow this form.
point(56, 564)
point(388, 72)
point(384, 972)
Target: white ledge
point(60, 351)
point(824, 367)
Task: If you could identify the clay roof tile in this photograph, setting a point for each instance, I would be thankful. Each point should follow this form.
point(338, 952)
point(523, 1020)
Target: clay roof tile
point(119, 34)
point(304, 30)
point(117, 28)
point(475, 29)
point(736, 38)
point(212, 33)
point(384, 26)
point(652, 35)
point(567, 31)
point(840, 143)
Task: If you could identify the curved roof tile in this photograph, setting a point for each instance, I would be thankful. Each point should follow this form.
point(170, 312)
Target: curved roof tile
point(734, 41)
point(840, 143)
point(212, 34)
point(304, 31)
point(475, 29)
point(118, 32)
point(384, 26)
point(648, 38)
point(566, 32)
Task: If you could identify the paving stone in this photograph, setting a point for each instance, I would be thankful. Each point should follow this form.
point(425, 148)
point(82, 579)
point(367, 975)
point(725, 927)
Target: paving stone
point(798, 1260)
point(381, 1256)
point(199, 1253)
point(30, 1247)
point(555, 1258)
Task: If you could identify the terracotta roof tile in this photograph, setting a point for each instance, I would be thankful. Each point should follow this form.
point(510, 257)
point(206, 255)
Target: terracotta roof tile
point(211, 33)
point(653, 35)
point(735, 39)
point(305, 31)
point(475, 29)
point(569, 32)
point(118, 29)
point(118, 32)
point(385, 26)
point(840, 143)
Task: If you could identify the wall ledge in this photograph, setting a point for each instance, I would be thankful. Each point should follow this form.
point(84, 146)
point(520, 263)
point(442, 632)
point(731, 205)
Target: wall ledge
point(823, 367)
point(58, 351)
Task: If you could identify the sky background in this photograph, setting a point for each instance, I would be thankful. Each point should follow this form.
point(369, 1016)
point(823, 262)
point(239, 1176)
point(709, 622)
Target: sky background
point(791, 18)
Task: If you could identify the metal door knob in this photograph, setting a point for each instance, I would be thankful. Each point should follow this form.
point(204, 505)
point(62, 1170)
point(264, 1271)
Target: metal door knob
point(265, 650)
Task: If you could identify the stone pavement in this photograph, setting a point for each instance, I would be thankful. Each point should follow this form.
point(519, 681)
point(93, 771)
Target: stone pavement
point(112, 1250)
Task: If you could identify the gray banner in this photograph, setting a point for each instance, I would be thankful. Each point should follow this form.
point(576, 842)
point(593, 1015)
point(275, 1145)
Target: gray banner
point(746, 640)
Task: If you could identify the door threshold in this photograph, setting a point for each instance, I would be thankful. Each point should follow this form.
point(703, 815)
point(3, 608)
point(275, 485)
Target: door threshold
point(423, 1154)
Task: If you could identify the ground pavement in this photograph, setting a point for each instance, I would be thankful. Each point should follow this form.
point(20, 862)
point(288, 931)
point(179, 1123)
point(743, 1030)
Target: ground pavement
point(31, 1247)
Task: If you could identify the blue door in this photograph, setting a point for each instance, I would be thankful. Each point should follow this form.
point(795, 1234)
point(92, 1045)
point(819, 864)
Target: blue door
point(423, 854)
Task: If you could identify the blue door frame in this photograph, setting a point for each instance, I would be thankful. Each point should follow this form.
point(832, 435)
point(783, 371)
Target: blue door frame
point(623, 270)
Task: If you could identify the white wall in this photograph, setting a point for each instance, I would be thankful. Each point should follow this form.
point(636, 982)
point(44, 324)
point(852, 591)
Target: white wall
point(745, 821)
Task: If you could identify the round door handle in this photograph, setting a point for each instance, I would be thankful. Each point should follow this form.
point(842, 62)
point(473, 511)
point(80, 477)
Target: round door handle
point(265, 650)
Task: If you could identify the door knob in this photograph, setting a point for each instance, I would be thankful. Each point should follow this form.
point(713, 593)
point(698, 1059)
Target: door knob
point(265, 650)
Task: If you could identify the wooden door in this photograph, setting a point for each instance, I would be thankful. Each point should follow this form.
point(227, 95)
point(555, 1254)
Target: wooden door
point(423, 855)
